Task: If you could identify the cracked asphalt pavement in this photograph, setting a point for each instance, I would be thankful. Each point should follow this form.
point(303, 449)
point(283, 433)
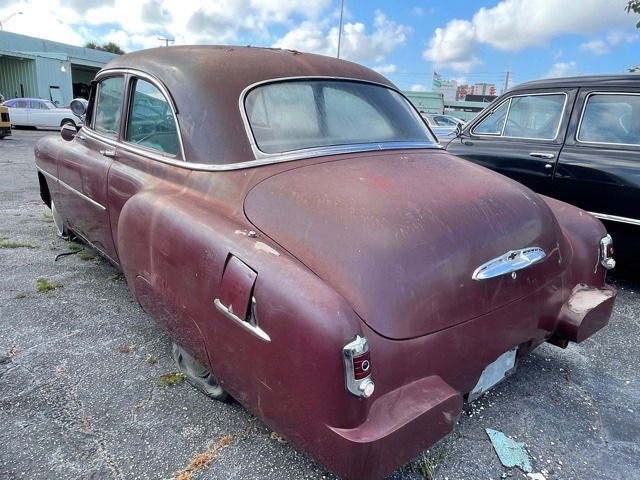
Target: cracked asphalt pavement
point(80, 365)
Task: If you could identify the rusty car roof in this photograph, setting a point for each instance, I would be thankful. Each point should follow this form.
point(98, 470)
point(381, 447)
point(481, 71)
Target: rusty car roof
point(207, 81)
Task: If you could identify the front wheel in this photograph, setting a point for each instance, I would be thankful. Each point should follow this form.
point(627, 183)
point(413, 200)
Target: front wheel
point(198, 375)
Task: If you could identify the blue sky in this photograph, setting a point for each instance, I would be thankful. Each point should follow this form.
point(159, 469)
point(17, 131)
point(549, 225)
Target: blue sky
point(470, 41)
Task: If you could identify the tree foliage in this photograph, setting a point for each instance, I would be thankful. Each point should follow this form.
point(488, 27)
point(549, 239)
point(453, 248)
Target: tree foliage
point(634, 6)
point(109, 47)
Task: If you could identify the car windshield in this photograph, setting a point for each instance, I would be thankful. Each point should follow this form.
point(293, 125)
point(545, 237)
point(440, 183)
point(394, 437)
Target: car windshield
point(300, 114)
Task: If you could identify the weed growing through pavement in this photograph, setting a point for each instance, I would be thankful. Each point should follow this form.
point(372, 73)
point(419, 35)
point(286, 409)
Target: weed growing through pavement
point(47, 215)
point(127, 348)
point(20, 296)
point(171, 379)
point(202, 460)
point(5, 243)
point(151, 360)
point(44, 286)
point(84, 255)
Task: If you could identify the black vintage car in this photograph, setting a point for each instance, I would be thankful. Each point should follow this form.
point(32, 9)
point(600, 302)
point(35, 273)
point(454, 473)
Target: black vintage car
point(576, 139)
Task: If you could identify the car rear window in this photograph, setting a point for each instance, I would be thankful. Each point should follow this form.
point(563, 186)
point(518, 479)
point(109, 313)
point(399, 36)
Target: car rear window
point(301, 114)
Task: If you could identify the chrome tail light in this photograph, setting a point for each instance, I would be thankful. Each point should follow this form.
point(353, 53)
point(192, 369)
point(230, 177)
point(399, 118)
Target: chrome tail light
point(606, 252)
point(357, 367)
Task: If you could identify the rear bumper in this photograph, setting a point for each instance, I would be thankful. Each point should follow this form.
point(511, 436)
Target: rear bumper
point(5, 131)
point(400, 425)
point(585, 312)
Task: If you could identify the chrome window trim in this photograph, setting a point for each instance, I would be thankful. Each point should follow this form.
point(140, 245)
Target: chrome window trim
point(502, 135)
point(616, 218)
point(584, 107)
point(262, 159)
point(129, 75)
point(73, 190)
point(266, 158)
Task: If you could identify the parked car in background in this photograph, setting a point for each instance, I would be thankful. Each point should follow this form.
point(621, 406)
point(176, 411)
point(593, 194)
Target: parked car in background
point(576, 139)
point(5, 122)
point(39, 113)
point(443, 133)
point(312, 251)
point(441, 120)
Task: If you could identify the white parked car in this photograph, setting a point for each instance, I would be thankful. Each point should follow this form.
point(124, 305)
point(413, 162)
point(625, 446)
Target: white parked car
point(40, 113)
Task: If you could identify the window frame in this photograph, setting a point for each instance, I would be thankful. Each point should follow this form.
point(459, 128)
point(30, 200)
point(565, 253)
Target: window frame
point(582, 114)
point(509, 100)
point(262, 157)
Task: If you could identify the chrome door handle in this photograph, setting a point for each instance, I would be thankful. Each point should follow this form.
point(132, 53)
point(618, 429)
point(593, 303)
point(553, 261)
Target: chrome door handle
point(547, 156)
point(108, 153)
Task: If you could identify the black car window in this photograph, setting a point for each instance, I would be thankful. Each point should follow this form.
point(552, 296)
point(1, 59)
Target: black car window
point(106, 115)
point(611, 118)
point(525, 116)
point(294, 115)
point(151, 122)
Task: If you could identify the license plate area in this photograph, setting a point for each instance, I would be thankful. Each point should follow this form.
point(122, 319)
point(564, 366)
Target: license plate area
point(494, 373)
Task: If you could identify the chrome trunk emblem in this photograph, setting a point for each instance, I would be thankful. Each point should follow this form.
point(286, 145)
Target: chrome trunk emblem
point(509, 262)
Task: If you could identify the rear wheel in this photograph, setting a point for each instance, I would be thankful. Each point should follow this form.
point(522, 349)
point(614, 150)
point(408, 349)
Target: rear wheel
point(198, 375)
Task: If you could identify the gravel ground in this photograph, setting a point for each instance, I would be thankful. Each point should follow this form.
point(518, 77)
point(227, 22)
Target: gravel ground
point(80, 364)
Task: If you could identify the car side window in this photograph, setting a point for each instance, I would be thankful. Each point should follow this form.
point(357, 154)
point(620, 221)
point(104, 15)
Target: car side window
point(525, 116)
point(151, 120)
point(611, 118)
point(20, 104)
point(34, 105)
point(106, 115)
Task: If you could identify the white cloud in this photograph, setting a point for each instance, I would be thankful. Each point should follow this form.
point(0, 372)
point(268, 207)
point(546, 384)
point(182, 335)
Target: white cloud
point(356, 44)
point(453, 46)
point(513, 25)
point(597, 47)
point(385, 69)
point(416, 87)
point(563, 70)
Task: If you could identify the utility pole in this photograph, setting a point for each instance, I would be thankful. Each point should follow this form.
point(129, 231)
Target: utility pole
point(506, 82)
point(340, 28)
point(166, 40)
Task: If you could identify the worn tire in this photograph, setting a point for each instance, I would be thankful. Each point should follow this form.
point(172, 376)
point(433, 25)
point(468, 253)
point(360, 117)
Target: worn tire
point(198, 375)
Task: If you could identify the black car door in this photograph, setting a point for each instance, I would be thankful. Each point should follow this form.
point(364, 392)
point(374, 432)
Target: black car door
point(520, 136)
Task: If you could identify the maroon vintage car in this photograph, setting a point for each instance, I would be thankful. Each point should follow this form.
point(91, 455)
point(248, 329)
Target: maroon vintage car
point(312, 251)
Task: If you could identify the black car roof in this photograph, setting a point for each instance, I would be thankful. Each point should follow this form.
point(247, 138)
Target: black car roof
point(617, 80)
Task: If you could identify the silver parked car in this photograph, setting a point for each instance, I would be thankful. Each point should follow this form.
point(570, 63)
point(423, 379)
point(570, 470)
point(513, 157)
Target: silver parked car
point(39, 113)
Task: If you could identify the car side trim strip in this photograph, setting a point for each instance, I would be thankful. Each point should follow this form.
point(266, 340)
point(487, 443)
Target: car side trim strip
point(615, 218)
point(73, 190)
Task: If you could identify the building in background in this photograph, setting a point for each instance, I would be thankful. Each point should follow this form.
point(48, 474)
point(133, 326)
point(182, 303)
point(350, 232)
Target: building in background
point(33, 67)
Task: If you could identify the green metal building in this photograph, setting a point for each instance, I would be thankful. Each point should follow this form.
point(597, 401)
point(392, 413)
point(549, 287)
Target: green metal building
point(33, 67)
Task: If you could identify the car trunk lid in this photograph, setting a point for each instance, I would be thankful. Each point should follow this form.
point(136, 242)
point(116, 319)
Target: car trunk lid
point(400, 235)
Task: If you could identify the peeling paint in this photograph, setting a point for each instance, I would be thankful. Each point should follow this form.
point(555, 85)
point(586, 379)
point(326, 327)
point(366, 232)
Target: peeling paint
point(263, 247)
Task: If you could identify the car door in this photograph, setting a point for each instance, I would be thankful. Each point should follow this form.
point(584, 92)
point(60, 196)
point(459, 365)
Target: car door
point(38, 114)
point(18, 113)
point(520, 136)
point(83, 169)
point(599, 167)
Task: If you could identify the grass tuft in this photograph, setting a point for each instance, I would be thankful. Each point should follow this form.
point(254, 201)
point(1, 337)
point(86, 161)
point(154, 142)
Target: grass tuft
point(44, 286)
